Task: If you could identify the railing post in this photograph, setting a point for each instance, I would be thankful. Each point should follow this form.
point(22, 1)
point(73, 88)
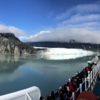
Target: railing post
point(80, 88)
point(85, 85)
point(93, 78)
point(99, 65)
point(69, 80)
point(73, 95)
point(89, 79)
point(96, 75)
point(25, 96)
point(28, 96)
point(93, 73)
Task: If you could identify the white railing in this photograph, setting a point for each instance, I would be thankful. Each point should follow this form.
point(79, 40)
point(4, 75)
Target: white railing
point(32, 93)
point(88, 83)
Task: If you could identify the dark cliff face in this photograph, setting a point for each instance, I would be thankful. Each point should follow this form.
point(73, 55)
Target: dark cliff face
point(12, 45)
point(9, 36)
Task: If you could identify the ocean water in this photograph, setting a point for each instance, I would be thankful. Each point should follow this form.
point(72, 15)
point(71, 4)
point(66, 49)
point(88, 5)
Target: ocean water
point(24, 71)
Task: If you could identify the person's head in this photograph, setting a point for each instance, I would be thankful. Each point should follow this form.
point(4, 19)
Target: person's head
point(60, 88)
point(41, 98)
point(52, 93)
point(47, 96)
point(77, 72)
point(67, 83)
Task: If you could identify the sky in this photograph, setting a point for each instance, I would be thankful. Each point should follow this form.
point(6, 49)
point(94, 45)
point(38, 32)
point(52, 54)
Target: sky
point(51, 20)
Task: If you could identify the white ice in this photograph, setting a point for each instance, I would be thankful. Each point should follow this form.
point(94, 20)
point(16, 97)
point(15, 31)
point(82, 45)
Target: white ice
point(63, 53)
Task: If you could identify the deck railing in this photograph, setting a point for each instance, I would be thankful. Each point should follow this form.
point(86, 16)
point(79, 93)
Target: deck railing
point(32, 93)
point(89, 82)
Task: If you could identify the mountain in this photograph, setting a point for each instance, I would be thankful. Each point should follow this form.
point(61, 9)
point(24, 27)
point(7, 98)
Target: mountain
point(70, 44)
point(12, 45)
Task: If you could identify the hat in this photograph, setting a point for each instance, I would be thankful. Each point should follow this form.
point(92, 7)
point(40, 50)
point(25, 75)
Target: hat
point(60, 88)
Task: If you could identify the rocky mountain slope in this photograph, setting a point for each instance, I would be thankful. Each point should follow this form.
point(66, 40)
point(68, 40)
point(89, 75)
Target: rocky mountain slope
point(12, 45)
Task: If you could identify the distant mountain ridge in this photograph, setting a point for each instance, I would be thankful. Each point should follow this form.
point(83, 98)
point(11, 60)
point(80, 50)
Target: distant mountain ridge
point(70, 44)
point(10, 44)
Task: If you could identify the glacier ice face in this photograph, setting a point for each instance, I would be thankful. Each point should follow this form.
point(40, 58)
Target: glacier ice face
point(63, 53)
point(66, 51)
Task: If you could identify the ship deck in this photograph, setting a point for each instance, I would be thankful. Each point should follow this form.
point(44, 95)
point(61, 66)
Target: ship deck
point(96, 90)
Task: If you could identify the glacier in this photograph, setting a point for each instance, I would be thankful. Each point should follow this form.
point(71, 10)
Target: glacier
point(62, 53)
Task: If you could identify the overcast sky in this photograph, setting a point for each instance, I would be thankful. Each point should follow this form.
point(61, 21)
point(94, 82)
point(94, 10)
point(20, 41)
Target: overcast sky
point(51, 20)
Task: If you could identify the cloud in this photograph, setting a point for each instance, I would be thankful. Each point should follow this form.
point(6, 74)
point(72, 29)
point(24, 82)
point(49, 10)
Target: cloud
point(81, 28)
point(79, 18)
point(91, 26)
point(11, 29)
point(80, 9)
point(34, 37)
point(41, 32)
point(64, 34)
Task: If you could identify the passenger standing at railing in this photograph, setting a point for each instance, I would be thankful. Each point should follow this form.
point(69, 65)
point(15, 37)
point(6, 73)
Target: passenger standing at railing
point(90, 68)
point(86, 73)
point(59, 91)
point(73, 83)
point(64, 89)
point(41, 98)
point(70, 86)
point(83, 75)
point(71, 89)
point(57, 96)
point(68, 92)
point(52, 95)
point(77, 78)
point(48, 97)
point(62, 93)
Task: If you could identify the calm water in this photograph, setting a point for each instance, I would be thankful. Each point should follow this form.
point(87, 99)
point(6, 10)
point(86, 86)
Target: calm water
point(20, 72)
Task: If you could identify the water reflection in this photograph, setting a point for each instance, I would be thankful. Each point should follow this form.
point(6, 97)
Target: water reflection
point(8, 63)
point(20, 72)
